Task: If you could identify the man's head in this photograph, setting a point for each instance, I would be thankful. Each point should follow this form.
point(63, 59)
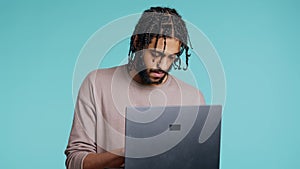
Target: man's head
point(159, 38)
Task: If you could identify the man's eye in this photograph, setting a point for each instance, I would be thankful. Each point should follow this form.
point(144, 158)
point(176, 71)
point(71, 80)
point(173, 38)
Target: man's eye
point(156, 54)
point(172, 56)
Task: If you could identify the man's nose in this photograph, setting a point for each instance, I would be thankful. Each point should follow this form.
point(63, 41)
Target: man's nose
point(162, 63)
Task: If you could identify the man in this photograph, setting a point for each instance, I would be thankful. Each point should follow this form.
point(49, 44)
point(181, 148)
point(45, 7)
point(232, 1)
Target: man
point(97, 136)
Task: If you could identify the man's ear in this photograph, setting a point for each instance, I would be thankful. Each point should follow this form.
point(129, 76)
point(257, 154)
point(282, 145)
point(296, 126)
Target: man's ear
point(135, 40)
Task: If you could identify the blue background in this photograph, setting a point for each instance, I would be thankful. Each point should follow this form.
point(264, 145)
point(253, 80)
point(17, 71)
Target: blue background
point(257, 41)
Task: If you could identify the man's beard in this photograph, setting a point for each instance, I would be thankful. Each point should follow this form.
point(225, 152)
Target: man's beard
point(146, 79)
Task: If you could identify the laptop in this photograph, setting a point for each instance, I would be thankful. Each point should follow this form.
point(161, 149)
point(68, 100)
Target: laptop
point(173, 137)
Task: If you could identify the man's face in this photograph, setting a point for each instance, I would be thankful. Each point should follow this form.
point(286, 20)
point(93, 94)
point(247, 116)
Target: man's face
point(158, 61)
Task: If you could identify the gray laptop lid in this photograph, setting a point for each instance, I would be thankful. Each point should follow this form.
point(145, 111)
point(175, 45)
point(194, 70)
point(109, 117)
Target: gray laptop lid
point(176, 137)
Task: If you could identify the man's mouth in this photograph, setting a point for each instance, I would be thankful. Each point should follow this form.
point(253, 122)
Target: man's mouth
point(157, 73)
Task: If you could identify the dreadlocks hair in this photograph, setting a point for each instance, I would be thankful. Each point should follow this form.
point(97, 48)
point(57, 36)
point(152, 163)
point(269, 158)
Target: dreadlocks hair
point(159, 22)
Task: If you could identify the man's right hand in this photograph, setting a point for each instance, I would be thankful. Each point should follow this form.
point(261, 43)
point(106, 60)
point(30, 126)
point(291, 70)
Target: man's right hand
point(104, 160)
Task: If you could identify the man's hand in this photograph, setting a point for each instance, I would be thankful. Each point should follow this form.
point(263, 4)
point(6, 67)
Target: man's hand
point(111, 159)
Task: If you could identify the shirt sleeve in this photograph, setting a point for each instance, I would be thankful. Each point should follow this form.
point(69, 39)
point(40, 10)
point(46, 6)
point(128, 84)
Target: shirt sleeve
point(82, 139)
